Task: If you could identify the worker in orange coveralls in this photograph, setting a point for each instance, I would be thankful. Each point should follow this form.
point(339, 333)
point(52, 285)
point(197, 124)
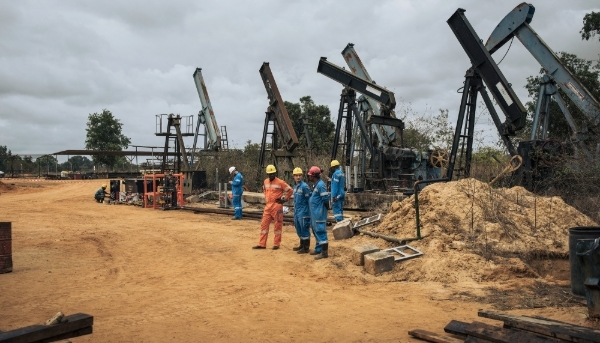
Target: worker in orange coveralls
point(276, 193)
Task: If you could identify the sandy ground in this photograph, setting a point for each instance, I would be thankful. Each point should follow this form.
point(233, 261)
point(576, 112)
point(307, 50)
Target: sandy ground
point(154, 276)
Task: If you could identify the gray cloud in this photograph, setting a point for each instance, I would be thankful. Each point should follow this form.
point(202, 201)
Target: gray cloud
point(61, 60)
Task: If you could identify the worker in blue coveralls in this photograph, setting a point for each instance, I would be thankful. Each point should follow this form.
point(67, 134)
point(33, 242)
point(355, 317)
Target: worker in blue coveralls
point(236, 191)
point(338, 181)
point(318, 203)
point(301, 212)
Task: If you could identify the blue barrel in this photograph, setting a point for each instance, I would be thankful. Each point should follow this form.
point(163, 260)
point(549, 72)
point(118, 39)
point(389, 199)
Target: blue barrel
point(575, 234)
point(5, 248)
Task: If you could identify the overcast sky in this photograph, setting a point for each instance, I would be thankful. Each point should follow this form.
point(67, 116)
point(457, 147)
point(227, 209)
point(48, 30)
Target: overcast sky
point(61, 60)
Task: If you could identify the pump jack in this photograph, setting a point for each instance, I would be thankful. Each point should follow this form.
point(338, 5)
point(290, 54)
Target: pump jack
point(206, 116)
point(392, 167)
point(484, 69)
point(283, 136)
point(539, 155)
point(557, 76)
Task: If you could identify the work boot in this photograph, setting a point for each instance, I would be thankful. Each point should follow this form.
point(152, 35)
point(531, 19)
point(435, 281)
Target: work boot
point(324, 253)
point(276, 247)
point(299, 247)
point(304, 249)
point(258, 247)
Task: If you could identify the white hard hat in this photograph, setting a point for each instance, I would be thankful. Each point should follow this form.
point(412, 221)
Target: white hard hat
point(231, 169)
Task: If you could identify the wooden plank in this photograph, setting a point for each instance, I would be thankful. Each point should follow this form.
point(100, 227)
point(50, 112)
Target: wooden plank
point(37, 333)
point(456, 327)
point(65, 337)
point(502, 335)
point(551, 328)
point(433, 337)
point(471, 339)
point(550, 339)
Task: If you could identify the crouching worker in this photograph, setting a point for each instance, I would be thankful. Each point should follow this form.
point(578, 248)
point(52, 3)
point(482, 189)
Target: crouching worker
point(301, 212)
point(276, 193)
point(318, 202)
point(100, 194)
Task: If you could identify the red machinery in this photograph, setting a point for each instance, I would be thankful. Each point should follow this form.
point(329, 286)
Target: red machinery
point(157, 179)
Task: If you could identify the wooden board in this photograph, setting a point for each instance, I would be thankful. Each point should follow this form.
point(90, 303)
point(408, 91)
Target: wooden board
point(551, 328)
point(457, 328)
point(471, 339)
point(433, 337)
point(44, 333)
point(502, 335)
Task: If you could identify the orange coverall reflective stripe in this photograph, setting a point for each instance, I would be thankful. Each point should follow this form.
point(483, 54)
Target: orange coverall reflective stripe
point(273, 190)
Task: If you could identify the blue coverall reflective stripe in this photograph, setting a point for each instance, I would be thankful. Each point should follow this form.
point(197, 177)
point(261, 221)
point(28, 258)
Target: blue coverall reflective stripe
point(338, 181)
point(301, 212)
point(318, 213)
point(236, 192)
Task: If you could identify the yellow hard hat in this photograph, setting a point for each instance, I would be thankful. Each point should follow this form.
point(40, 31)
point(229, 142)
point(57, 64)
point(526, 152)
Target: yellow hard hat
point(335, 163)
point(297, 171)
point(104, 186)
point(271, 169)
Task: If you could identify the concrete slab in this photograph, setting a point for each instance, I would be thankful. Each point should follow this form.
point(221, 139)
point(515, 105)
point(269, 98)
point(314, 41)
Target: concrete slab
point(359, 252)
point(379, 262)
point(343, 229)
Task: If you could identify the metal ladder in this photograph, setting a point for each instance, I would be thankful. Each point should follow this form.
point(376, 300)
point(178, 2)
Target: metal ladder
point(224, 140)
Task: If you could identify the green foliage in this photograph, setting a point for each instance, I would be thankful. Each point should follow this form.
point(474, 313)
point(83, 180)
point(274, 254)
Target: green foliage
point(488, 154)
point(318, 119)
point(104, 132)
point(5, 154)
point(591, 25)
point(587, 72)
point(78, 163)
point(424, 131)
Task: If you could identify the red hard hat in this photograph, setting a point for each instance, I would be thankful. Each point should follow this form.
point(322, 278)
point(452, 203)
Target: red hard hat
point(314, 170)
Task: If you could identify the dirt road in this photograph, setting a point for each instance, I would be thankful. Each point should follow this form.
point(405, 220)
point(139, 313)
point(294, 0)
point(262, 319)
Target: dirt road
point(154, 276)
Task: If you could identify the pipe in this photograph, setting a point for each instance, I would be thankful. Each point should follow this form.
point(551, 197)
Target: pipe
point(400, 241)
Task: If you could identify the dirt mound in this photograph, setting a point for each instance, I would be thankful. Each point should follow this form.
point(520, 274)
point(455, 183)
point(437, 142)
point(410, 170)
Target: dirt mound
point(473, 231)
point(5, 188)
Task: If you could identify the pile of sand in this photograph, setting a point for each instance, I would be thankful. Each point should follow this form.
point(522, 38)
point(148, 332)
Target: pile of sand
point(472, 231)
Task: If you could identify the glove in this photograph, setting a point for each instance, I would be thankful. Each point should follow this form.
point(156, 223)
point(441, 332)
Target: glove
point(334, 199)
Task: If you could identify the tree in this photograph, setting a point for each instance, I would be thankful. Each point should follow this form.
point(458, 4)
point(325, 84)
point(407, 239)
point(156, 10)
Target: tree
point(425, 131)
point(588, 74)
point(318, 123)
point(47, 163)
point(5, 155)
point(77, 163)
point(591, 25)
point(104, 133)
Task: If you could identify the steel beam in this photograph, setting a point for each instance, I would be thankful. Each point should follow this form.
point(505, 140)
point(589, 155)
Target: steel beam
point(490, 73)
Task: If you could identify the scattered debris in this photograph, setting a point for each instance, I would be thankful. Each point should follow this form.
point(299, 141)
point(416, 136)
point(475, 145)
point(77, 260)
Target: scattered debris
point(59, 317)
point(404, 252)
point(366, 221)
point(515, 329)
